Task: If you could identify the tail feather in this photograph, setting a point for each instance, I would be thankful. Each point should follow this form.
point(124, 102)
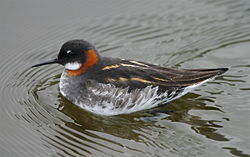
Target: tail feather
point(199, 75)
point(187, 77)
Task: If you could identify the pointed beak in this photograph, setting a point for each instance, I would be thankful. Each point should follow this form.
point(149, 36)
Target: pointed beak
point(53, 61)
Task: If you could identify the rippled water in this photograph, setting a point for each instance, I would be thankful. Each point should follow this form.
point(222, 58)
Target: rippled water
point(213, 120)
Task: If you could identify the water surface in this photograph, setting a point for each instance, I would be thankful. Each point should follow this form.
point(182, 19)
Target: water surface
point(213, 120)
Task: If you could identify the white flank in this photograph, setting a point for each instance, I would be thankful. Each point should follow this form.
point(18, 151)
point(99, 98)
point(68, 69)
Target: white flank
point(106, 99)
point(72, 66)
point(119, 101)
point(190, 88)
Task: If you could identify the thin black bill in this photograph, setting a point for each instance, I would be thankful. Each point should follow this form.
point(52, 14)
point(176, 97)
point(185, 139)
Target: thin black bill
point(53, 61)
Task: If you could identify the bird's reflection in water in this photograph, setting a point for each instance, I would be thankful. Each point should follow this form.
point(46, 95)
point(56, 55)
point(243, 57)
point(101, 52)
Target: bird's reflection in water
point(127, 126)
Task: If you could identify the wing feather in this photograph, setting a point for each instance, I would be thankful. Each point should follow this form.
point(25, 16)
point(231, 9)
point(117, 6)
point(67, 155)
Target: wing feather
point(135, 74)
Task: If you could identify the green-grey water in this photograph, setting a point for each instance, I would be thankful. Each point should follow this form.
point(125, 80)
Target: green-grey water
point(213, 120)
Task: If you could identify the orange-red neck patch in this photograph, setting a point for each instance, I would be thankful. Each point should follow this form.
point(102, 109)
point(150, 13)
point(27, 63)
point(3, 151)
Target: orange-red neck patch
point(91, 59)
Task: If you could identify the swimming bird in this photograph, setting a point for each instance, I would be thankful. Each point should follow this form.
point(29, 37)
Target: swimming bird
point(112, 86)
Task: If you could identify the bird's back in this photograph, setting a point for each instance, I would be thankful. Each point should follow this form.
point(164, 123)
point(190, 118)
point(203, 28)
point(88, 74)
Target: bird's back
point(138, 75)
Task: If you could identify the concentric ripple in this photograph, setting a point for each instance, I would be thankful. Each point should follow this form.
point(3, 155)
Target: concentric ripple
point(37, 121)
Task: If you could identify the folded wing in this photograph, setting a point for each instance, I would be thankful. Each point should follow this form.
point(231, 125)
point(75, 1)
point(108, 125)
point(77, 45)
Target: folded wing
point(134, 74)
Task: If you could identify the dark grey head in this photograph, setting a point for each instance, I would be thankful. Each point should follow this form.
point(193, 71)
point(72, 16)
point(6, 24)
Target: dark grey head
point(72, 51)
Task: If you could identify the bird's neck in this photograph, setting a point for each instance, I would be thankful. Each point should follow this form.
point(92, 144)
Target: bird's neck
point(92, 59)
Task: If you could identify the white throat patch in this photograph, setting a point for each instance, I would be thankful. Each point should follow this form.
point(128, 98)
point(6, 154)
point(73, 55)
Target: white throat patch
point(72, 66)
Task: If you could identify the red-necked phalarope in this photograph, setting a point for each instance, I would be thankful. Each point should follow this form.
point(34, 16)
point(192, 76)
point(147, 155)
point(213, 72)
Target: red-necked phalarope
point(111, 86)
